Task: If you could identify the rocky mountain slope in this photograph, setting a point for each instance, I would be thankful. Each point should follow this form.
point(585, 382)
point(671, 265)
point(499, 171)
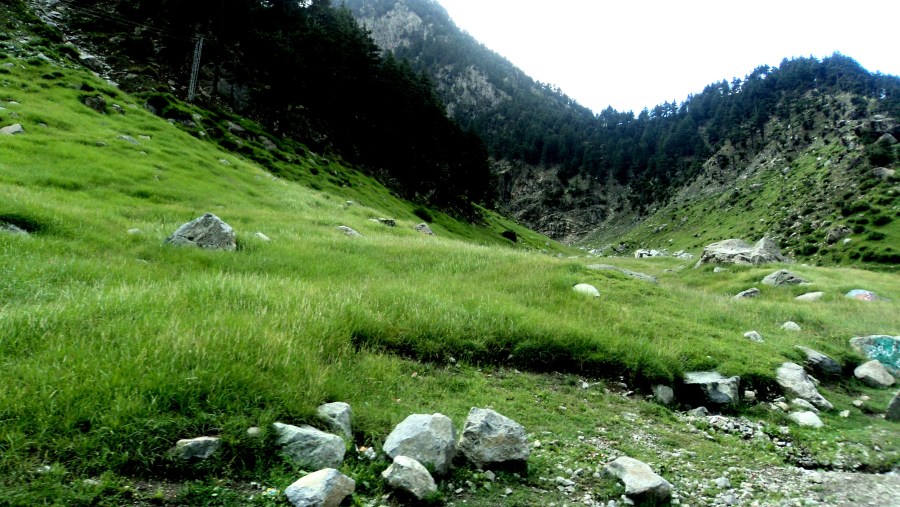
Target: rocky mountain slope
point(563, 169)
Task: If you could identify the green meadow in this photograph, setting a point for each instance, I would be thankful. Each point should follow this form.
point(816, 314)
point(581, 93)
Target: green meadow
point(114, 345)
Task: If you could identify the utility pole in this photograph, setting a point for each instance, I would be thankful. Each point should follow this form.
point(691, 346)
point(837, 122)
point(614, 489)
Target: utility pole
point(195, 70)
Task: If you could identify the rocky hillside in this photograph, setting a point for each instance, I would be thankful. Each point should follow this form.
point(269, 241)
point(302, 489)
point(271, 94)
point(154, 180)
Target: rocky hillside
point(595, 178)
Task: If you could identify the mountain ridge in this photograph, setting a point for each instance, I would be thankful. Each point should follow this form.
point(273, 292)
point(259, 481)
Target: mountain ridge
point(568, 172)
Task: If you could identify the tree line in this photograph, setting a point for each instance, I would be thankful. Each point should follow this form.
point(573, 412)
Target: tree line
point(308, 71)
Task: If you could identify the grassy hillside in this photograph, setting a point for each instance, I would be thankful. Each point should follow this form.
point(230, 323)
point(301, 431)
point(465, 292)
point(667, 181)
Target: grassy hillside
point(114, 345)
point(795, 195)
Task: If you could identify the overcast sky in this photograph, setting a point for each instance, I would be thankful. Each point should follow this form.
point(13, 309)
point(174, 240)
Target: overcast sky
point(635, 54)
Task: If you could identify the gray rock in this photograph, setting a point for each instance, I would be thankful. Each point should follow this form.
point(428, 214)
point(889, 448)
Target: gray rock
point(643, 253)
point(310, 447)
point(267, 143)
point(887, 139)
point(735, 251)
point(753, 336)
point(884, 348)
point(810, 296)
point(710, 387)
point(722, 483)
point(747, 294)
point(208, 231)
point(254, 432)
point(262, 237)
point(719, 269)
point(409, 476)
point(390, 222)
point(893, 410)
point(837, 233)
point(809, 419)
point(783, 277)
point(424, 229)
point(195, 448)
point(12, 229)
point(797, 384)
point(428, 439)
point(12, 130)
point(632, 274)
point(642, 484)
point(135, 232)
point(349, 232)
point(804, 405)
point(664, 394)
point(821, 364)
point(97, 103)
point(128, 139)
point(874, 374)
point(338, 416)
point(587, 289)
point(234, 128)
point(790, 326)
point(884, 173)
point(699, 412)
point(325, 488)
point(489, 438)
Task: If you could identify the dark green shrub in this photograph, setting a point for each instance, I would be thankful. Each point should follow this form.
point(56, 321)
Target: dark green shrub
point(875, 236)
point(881, 220)
point(424, 214)
point(510, 235)
point(859, 229)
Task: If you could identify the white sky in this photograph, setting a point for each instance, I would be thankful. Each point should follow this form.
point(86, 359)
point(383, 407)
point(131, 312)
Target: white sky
point(635, 54)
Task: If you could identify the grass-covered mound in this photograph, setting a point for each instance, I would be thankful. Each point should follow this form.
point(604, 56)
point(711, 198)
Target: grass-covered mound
point(114, 345)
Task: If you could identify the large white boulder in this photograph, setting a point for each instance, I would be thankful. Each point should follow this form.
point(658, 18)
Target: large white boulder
point(409, 476)
point(325, 488)
point(428, 439)
point(736, 251)
point(642, 485)
point(208, 231)
point(489, 438)
point(797, 384)
point(310, 447)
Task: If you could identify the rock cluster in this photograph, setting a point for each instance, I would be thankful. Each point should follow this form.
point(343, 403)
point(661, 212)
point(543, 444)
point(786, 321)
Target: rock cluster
point(735, 251)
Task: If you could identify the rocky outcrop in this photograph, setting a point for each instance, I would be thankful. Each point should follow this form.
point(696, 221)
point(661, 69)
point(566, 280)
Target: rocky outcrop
point(893, 410)
point(874, 374)
point(797, 384)
point(208, 231)
point(820, 364)
point(710, 388)
point(338, 416)
point(409, 476)
point(735, 251)
point(424, 229)
point(349, 231)
point(885, 349)
point(748, 294)
point(489, 438)
point(791, 326)
point(809, 419)
point(663, 394)
point(310, 447)
point(632, 274)
point(783, 277)
point(753, 336)
point(837, 233)
point(642, 485)
point(325, 488)
point(428, 439)
point(12, 130)
point(200, 448)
